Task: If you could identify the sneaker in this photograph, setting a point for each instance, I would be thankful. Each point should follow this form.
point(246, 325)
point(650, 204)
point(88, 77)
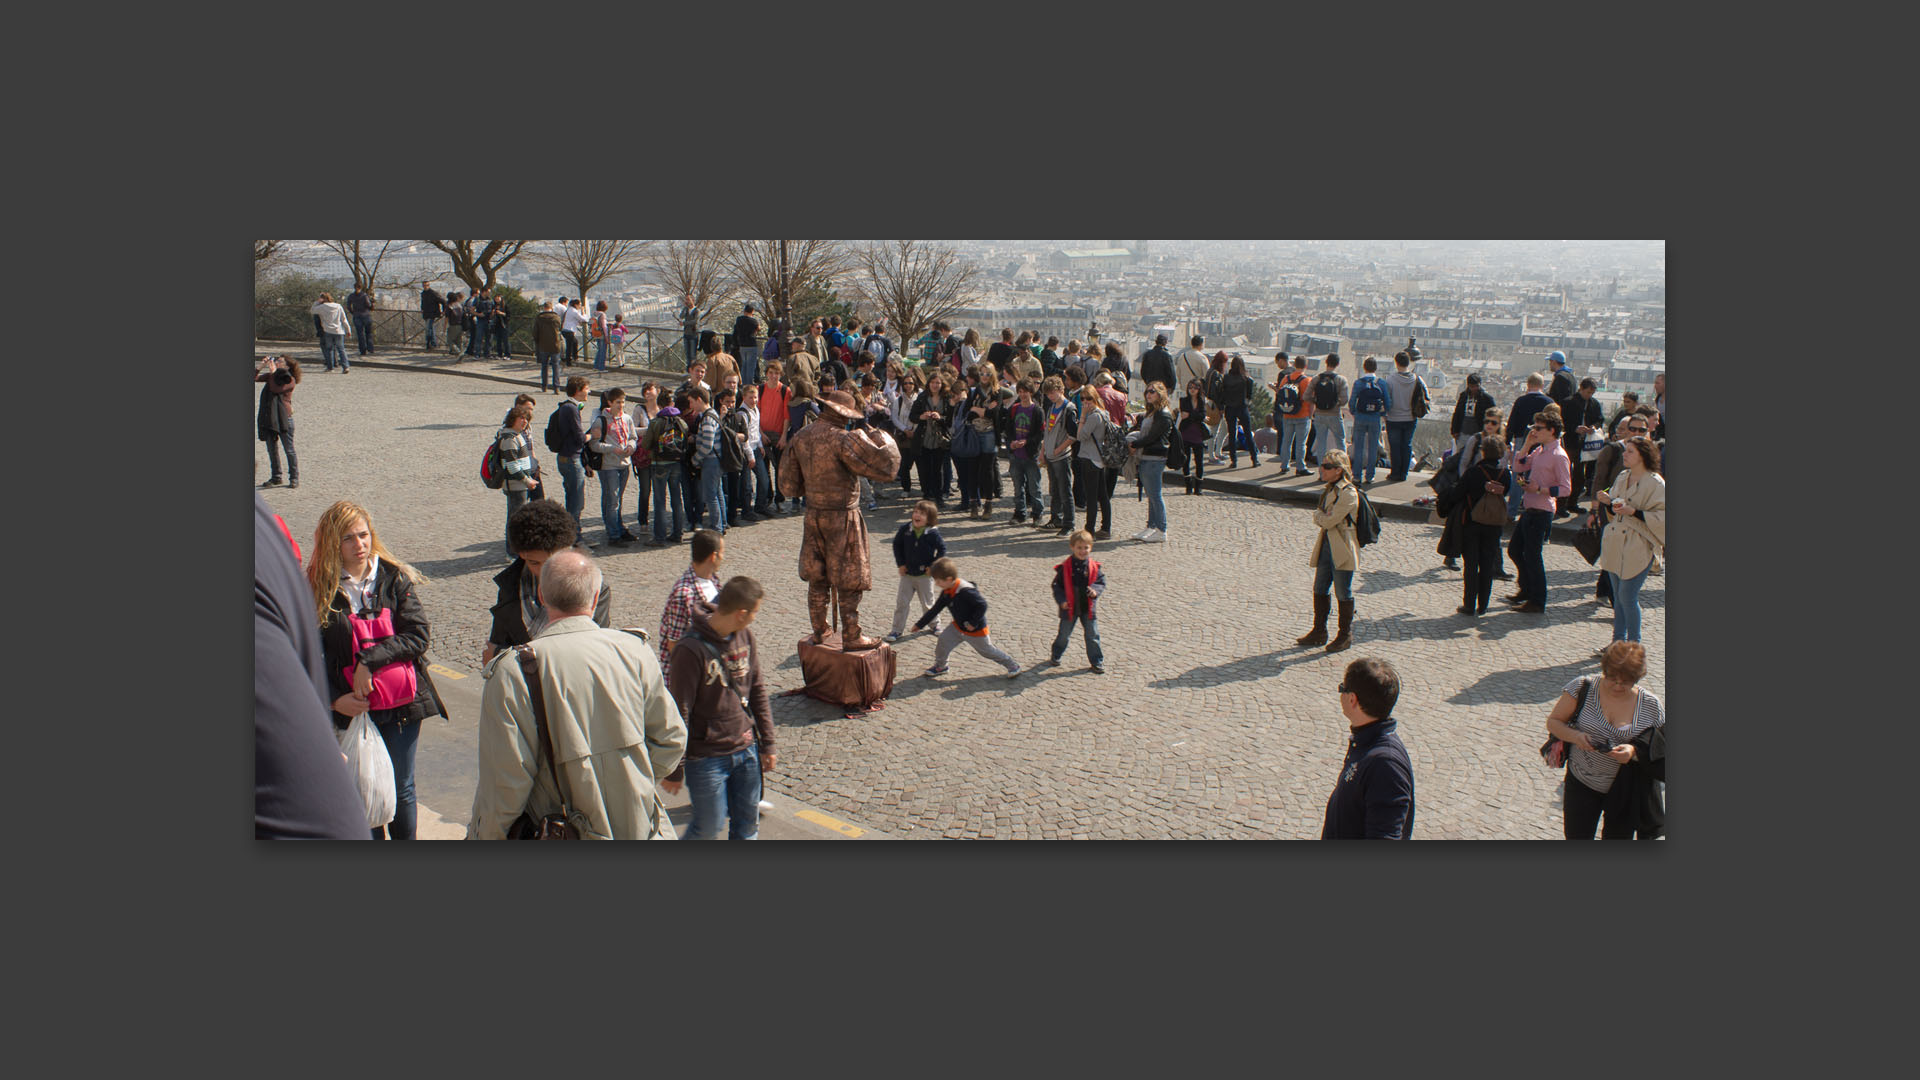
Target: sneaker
point(765, 805)
point(1303, 472)
point(893, 637)
point(1017, 519)
point(1141, 535)
point(1065, 530)
point(1097, 669)
point(293, 483)
point(271, 483)
point(1154, 536)
point(620, 541)
point(1052, 662)
point(934, 671)
point(1013, 672)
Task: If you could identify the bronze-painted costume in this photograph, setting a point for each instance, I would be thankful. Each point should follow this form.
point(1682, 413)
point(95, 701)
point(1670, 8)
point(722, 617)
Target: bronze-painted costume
point(823, 463)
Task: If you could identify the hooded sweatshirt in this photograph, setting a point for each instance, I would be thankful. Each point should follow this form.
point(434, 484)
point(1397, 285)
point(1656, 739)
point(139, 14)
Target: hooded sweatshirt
point(708, 689)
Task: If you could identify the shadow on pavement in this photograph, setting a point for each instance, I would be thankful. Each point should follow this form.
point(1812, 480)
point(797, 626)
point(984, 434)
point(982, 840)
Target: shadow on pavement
point(490, 556)
point(1523, 687)
point(1242, 670)
point(442, 427)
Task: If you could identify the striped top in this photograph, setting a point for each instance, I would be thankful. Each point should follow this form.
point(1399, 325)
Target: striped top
point(1598, 770)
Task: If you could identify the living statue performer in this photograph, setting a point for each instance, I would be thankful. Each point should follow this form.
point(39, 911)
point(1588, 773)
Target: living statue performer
point(823, 464)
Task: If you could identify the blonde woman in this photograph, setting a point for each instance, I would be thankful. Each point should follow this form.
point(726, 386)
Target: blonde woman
point(1150, 438)
point(1336, 552)
point(969, 352)
point(1096, 472)
point(373, 634)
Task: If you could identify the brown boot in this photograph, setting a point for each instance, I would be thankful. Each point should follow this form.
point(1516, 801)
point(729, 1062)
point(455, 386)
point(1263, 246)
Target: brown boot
point(1344, 638)
point(850, 639)
point(817, 600)
point(1318, 635)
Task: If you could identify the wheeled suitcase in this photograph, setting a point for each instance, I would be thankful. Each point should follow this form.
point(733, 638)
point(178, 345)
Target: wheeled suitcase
point(856, 681)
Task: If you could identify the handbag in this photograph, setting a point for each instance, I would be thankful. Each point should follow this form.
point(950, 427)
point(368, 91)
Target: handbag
point(394, 684)
point(1590, 450)
point(1554, 751)
point(935, 435)
point(1587, 540)
point(558, 826)
point(1489, 509)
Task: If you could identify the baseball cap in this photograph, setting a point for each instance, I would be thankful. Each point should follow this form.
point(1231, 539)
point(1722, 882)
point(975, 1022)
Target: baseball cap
point(1557, 355)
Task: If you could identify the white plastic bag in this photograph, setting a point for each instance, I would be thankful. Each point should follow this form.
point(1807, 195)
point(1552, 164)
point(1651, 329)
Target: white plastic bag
point(372, 769)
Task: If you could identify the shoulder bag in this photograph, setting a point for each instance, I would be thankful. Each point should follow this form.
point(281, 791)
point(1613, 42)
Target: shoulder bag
point(1554, 751)
point(553, 826)
point(1489, 509)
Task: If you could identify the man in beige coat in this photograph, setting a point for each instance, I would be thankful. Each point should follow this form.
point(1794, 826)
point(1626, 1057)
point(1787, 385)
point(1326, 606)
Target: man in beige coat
point(614, 728)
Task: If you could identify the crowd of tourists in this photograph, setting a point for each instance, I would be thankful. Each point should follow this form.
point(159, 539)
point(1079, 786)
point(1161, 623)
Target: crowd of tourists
point(616, 720)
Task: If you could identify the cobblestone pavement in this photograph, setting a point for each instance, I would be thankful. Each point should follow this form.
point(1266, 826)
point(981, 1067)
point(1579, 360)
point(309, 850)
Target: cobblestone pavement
point(1209, 722)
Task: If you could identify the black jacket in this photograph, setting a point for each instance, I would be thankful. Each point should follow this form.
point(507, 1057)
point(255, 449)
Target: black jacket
point(572, 439)
point(1373, 799)
point(998, 354)
point(301, 788)
point(1525, 408)
point(1633, 800)
point(1153, 429)
point(510, 625)
point(969, 608)
point(1574, 413)
point(1562, 387)
point(431, 304)
point(746, 332)
point(1471, 487)
point(1157, 366)
point(1233, 390)
point(1118, 366)
point(1461, 421)
point(391, 591)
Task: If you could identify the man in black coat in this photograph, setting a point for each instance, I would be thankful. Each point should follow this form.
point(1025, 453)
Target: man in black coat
point(1561, 390)
point(538, 531)
point(1156, 366)
point(1583, 417)
point(1373, 799)
point(432, 304)
point(746, 337)
point(1472, 404)
point(301, 786)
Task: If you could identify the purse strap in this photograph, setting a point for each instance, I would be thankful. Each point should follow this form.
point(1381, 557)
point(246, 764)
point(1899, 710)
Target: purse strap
point(530, 667)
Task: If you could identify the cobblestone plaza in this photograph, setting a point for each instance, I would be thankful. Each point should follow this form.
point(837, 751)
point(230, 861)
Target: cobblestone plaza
point(1208, 723)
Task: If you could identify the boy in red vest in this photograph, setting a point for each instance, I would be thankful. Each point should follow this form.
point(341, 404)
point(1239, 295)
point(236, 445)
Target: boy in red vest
point(1077, 583)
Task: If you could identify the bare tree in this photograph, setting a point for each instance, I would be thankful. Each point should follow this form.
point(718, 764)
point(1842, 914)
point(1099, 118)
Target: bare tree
point(769, 270)
point(587, 263)
point(362, 259)
point(913, 284)
point(696, 268)
point(264, 250)
point(478, 269)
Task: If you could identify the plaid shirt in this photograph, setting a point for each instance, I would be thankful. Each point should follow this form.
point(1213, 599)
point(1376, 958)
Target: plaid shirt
point(678, 618)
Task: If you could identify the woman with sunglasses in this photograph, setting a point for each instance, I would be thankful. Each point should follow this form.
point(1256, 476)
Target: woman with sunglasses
point(1545, 474)
point(1336, 552)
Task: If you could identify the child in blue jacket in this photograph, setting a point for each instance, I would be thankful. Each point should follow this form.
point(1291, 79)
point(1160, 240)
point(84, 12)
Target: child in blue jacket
point(915, 547)
point(969, 620)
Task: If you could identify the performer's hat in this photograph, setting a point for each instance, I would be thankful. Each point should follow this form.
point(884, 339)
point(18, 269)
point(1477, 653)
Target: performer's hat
point(841, 404)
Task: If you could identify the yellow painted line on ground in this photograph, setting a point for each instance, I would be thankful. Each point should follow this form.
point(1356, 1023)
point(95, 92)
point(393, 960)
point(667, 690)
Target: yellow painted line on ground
point(819, 818)
point(445, 672)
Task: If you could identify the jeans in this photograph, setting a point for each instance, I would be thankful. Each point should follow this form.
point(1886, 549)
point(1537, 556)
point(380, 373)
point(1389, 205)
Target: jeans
point(401, 738)
point(1099, 499)
point(1583, 808)
point(1060, 490)
point(726, 788)
point(613, 493)
point(1026, 486)
point(982, 644)
point(273, 452)
point(1236, 420)
point(931, 462)
point(363, 333)
point(1366, 446)
point(515, 500)
point(573, 345)
point(1293, 442)
point(1480, 557)
point(736, 485)
point(1626, 604)
point(1530, 555)
point(1325, 576)
point(500, 339)
point(482, 343)
point(1329, 433)
point(1151, 470)
point(910, 587)
point(665, 478)
point(600, 354)
point(549, 360)
point(762, 483)
point(333, 348)
point(713, 494)
point(1400, 448)
point(573, 482)
point(690, 340)
point(1091, 628)
point(431, 343)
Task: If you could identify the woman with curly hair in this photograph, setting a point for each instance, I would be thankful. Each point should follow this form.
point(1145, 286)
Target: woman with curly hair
point(275, 421)
point(374, 636)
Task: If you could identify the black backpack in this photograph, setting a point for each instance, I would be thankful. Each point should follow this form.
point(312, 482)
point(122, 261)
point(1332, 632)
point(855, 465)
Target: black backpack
point(554, 430)
point(1288, 400)
point(594, 458)
point(733, 443)
point(1421, 403)
point(1326, 392)
point(1366, 523)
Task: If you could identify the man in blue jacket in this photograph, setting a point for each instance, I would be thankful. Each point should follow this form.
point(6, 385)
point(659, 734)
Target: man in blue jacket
point(1373, 799)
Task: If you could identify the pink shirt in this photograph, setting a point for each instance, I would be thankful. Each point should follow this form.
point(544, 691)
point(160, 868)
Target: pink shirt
point(1547, 466)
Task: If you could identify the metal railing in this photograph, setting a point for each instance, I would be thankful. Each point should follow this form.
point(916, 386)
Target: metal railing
point(657, 348)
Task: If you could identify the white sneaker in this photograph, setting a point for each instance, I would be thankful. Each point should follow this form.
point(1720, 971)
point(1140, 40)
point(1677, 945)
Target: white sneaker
point(1141, 535)
point(765, 805)
point(1013, 673)
point(1155, 536)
